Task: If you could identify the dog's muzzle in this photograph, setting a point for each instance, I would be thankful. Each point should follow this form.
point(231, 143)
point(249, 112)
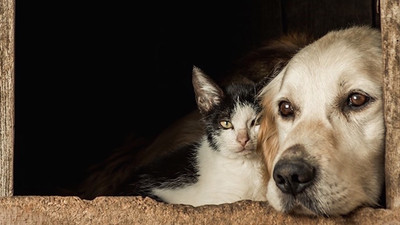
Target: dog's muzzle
point(292, 174)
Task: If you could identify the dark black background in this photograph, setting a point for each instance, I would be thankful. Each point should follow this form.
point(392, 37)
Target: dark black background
point(89, 73)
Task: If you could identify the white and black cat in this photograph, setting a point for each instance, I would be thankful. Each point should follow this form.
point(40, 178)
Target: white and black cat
point(223, 167)
point(106, 177)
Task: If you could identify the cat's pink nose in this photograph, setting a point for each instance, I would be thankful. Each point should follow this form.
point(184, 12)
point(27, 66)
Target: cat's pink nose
point(242, 137)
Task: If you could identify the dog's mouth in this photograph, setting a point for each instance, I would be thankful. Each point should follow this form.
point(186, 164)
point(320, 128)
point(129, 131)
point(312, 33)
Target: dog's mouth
point(319, 200)
point(300, 209)
point(302, 204)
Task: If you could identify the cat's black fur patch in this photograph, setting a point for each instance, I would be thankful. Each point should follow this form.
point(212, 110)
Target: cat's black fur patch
point(171, 171)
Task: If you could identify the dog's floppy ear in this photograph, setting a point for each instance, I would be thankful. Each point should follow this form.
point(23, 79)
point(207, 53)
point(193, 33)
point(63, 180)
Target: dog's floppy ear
point(268, 139)
point(278, 67)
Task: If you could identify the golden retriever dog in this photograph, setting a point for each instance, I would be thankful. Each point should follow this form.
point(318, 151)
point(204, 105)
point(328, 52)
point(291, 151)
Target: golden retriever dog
point(322, 129)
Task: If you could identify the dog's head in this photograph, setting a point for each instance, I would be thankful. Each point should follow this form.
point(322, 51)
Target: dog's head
point(322, 132)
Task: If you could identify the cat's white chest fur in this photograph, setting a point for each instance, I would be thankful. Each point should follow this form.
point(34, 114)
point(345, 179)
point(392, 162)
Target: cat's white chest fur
point(221, 180)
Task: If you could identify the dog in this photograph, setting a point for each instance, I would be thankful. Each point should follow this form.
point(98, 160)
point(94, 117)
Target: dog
point(322, 126)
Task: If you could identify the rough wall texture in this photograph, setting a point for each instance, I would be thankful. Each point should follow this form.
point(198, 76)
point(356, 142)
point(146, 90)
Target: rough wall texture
point(6, 96)
point(390, 12)
point(137, 210)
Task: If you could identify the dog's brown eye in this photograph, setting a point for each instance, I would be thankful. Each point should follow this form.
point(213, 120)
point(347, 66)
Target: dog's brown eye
point(357, 99)
point(286, 108)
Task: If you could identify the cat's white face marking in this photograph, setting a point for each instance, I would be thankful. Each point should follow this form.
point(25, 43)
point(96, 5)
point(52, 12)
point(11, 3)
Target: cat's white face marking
point(242, 139)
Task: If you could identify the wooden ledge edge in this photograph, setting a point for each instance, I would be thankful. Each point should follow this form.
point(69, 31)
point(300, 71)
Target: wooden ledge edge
point(138, 210)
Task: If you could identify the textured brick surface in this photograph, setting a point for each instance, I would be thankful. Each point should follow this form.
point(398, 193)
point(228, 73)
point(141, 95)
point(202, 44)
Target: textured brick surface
point(137, 210)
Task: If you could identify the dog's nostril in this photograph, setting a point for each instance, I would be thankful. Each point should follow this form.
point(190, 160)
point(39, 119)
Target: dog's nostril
point(293, 176)
point(279, 179)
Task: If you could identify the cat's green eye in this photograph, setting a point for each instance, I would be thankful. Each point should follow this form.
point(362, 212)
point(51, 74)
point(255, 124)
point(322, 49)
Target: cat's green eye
point(226, 124)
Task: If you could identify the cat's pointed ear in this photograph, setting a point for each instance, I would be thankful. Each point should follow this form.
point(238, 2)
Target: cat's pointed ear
point(207, 92)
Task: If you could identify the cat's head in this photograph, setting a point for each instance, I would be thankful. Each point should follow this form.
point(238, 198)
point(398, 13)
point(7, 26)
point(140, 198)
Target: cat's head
point(230, 114)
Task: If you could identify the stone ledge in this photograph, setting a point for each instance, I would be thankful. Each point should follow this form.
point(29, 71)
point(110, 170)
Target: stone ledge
point(137, 210)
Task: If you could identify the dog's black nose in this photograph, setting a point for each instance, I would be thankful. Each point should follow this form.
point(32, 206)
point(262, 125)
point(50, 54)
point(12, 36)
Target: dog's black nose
point(293, 176)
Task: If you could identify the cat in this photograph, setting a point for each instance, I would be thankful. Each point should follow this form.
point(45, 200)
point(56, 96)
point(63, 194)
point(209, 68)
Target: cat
point(223, 167)
point(106, 177)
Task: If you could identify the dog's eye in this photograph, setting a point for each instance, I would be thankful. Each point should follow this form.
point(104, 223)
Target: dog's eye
point(357, 100)
point(286, 109)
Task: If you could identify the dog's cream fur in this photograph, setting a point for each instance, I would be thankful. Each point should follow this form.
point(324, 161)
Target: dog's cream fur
point(343, 144)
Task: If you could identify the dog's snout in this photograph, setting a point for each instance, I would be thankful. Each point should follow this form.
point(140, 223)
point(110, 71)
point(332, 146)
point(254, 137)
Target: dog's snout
point(293, 176)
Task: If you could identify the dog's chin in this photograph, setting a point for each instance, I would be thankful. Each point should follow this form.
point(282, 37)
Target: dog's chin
point(299, 206)
point(301, 210)
point(302, 204)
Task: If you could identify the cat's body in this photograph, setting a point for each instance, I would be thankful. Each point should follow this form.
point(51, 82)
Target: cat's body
point(223, 166)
